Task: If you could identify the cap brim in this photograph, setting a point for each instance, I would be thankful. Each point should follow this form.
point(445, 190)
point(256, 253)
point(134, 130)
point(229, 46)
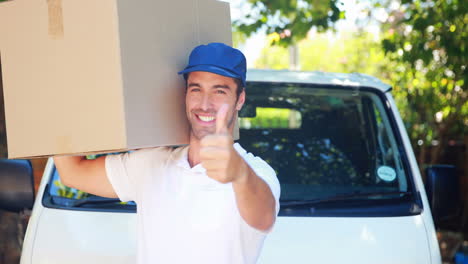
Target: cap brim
point(210, 68)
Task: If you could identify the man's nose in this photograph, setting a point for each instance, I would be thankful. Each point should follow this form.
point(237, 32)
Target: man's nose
point(205, 102)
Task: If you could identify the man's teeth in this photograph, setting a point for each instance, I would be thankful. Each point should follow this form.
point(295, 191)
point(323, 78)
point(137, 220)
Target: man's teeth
point(206, 118)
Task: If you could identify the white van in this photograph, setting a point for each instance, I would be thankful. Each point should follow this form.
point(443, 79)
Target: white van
point(351, 187)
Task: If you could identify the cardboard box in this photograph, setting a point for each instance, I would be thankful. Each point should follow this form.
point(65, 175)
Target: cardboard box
point(100, 75)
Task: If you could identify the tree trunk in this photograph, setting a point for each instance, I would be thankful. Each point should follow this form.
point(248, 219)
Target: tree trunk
point(465, 193)
point(442, 136)
point(294, 57)
point(421, 159)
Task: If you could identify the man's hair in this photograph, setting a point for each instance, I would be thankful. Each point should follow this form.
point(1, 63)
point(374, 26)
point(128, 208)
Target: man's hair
point(240, 87)
point(238, 82)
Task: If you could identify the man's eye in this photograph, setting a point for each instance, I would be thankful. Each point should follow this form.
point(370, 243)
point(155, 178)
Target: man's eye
point(194, 90)
point(220, 92)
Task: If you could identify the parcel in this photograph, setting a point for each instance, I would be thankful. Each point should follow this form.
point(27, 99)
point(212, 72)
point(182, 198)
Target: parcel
point(100, 75)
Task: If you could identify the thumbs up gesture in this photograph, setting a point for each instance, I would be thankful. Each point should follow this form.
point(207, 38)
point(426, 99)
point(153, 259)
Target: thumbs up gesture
point(217, 154)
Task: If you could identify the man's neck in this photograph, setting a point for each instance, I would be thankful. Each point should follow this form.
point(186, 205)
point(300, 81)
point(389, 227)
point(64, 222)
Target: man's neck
point(194, 151)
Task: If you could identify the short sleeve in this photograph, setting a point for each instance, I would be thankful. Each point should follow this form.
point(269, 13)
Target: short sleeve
point(264, 171)
point(128, 172)
point(118, 170)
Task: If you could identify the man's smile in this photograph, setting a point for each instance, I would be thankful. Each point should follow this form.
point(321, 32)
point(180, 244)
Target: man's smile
point(205, 118)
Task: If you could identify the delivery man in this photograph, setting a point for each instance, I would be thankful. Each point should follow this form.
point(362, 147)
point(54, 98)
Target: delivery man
point(208, 202)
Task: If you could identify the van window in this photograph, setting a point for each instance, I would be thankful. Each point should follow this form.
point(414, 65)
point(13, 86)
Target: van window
point(60, 196)
point(331, 148)
point(268, 117)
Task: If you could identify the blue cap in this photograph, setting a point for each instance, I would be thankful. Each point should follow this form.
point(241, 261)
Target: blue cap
point(217, 58)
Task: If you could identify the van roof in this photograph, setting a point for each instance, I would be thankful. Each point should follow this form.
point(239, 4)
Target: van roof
point(350, 80)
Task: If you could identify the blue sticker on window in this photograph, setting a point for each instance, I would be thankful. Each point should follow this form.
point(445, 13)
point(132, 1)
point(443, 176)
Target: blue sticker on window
point(386, 173)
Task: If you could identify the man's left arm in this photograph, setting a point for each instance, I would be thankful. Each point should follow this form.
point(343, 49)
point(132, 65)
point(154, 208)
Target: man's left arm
point(254, 197)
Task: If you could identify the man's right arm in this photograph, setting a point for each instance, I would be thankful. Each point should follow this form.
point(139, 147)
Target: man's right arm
point(86, 175)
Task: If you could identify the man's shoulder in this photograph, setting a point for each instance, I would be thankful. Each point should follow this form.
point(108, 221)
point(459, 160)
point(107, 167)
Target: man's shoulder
point(152, 150)
point(154, 154)
point(250, 158)
point(263, 170)
point(159, 153)
point(165, 150)
point(244, 153)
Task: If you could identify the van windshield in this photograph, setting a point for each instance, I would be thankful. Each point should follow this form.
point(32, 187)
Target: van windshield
point(331, 148)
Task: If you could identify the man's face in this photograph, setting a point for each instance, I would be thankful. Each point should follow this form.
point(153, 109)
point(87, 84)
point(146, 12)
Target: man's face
point(206, 92)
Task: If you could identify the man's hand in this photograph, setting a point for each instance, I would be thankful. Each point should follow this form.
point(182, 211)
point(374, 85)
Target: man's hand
point(222, 163)
point(217, 154)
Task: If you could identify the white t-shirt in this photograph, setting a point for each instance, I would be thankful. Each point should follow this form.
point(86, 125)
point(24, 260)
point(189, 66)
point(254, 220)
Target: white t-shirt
point(183, 215)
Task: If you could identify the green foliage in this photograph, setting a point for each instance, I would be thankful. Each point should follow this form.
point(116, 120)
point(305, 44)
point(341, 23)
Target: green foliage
point(426, 43)
point(346, 52)
point(64, 191)
point(290, 19)
point(238, 38)
point(350, 53)
point(275, 57)
point(422, 53)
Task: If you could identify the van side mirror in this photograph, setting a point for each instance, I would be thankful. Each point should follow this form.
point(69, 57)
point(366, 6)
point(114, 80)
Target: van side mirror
point(16, 185)
point(248, 111)
point(442, 189)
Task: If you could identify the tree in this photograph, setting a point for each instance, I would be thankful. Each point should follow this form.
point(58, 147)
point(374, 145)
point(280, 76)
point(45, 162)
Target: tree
point(426, 42)
point(290, 19)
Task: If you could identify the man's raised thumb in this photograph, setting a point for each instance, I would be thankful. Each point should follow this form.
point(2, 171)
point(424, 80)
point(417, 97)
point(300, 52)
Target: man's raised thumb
point(222, 120)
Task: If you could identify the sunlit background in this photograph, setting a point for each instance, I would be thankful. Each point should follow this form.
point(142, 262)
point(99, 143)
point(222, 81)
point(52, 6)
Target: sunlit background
point(418, 47)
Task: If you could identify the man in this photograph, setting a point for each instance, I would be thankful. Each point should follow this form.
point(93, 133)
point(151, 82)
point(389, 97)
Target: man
point(209, 202)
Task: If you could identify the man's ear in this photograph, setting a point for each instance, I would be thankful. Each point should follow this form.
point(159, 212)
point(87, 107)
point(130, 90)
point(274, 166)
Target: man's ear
point(240, 100)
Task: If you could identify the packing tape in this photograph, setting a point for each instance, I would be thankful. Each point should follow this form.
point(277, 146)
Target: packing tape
point(55, 18)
